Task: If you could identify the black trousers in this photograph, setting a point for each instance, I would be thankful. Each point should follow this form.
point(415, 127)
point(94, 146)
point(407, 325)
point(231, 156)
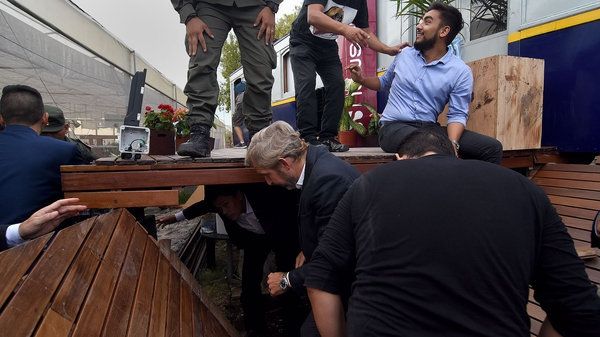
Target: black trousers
point(472, 144)
point(308, 61)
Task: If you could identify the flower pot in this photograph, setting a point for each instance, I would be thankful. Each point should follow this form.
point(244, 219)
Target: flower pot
point(348, 138)
point(162, 142)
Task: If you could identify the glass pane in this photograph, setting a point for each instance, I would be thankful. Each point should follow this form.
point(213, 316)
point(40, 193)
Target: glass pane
point(487, 17)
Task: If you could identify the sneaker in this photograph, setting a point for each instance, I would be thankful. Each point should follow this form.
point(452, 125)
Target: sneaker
point(335, 146)
point(240, 146)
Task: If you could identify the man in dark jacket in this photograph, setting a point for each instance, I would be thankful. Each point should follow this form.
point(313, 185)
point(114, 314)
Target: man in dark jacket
point(58, 128)
point(446, 247)
point(29, 163)
point(258, 219)
point(284, 159)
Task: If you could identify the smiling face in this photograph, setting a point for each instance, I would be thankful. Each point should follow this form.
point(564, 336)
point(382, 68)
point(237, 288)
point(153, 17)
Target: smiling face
point(430, 30)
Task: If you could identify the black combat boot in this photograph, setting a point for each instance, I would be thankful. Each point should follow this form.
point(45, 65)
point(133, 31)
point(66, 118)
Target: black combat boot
point(198, 145)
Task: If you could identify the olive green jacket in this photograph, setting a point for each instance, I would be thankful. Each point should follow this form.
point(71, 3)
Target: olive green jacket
point(185, 8)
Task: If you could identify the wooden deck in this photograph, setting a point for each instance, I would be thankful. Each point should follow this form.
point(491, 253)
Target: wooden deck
point(102, 277)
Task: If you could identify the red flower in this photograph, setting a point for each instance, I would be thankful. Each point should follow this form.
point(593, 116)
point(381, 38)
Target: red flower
point(148, 108)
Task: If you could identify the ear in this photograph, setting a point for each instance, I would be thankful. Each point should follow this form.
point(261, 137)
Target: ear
point(45, 118)
point(285, 163)
point(444, 31)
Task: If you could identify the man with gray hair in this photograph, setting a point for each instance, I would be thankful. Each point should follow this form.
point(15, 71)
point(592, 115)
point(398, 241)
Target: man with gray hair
point(284, 159)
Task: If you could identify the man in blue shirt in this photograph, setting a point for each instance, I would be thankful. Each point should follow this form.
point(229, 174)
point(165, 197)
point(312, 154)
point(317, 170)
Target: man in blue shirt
point(421, 80)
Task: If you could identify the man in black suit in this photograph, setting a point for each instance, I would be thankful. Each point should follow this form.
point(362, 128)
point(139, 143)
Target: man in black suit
point(258, 219)
point(39, 223)
point(29, 163)
point(284, 159)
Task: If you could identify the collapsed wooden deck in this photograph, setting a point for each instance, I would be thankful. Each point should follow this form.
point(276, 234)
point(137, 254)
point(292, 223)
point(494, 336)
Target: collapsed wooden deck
point(113, 182)
point(102, 277)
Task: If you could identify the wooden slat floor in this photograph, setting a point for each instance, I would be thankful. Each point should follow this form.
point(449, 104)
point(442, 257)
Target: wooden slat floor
point(574, 190)
point(102, 277)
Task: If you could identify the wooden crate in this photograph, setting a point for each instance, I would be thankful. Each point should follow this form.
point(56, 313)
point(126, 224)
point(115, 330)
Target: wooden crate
point(508, 97)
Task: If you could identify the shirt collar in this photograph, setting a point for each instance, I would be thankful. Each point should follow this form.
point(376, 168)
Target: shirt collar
point(444, 59)
point(300, 181)
point(249, 209)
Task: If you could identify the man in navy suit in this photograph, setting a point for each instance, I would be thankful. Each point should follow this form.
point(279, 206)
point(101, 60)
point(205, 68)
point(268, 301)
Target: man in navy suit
point(29, 163)
point(284, 159)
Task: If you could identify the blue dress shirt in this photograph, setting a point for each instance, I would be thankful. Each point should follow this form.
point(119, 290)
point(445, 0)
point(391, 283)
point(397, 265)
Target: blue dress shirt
point(418, 91)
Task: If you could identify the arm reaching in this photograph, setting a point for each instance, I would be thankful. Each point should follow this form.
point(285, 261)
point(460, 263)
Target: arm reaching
point(357, 76)
point(48, 218)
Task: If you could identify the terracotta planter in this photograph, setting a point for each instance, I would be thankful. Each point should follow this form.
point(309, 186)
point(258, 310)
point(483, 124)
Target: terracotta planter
point(162, 142)
point(348, 138)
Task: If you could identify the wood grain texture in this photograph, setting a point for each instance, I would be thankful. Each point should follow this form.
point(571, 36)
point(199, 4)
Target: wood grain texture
point(30, 301)
point(16, 262)
point(142, 305)
point(125, 199)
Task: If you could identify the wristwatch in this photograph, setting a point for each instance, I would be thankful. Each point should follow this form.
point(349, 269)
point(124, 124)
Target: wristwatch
point(285, 281)
point(272, 5)
point(455, 143)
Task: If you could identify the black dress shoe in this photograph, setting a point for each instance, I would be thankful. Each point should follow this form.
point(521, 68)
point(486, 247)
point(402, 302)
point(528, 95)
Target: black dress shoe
point(335, 146)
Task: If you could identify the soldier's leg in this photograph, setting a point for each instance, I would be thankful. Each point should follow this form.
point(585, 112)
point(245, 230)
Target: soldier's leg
point(258, 60)
point(202, 88)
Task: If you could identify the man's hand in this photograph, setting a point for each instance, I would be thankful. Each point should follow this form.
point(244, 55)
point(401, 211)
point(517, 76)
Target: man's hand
point(165, 220)
point(48, 218)
point(356, 35)
point(299, 260)
point(394, 50)
point(274, 281)
point(355, 72)
point(195, 29)
point(266, 20)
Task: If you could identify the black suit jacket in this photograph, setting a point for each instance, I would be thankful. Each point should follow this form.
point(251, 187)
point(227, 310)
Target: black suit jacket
point(326, 179)
point(3, 244)
point(275, 208)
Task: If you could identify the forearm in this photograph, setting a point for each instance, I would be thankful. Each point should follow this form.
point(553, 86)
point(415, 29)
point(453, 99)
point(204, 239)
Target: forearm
point(455, 131)
point(322, 22)
point(328, 312)
point(374, 43)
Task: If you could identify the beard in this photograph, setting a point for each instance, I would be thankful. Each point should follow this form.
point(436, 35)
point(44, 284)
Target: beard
point(424, 45)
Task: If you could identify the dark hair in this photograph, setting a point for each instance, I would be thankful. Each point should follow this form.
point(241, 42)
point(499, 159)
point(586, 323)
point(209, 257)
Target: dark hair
point(212, 192)
point(450, 17)
point(426, 139)
point(21, 104)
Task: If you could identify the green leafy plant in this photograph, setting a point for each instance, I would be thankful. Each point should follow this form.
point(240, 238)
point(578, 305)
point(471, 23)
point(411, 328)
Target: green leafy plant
point(346, 122)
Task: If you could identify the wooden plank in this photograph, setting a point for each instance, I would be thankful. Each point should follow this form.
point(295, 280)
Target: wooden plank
point(147, 179)
point(103, 168)
point(573, 168)
point(578, 234)
point(97, 302)
point(30, 301)
point(584, 185)
point(576, 212)
point(575, 202)
point(142, 306)
point(196, 321)
point(67, 302)
point(535, 326)
point(124, 199)
point(16, 262)
point(186, 311)
point(535, 311)
point(144, 160)
point(158, 317)
point(577, 223)
point(173, 304)
point(119, 313)
point(569, 175)
point(517, 162)
point(569, 192)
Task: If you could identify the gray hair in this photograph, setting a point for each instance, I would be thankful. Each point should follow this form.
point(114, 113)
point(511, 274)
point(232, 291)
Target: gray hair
point(278, 140)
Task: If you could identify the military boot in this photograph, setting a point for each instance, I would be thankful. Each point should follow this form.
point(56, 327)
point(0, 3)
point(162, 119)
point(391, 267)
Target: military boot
point(198, 145)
